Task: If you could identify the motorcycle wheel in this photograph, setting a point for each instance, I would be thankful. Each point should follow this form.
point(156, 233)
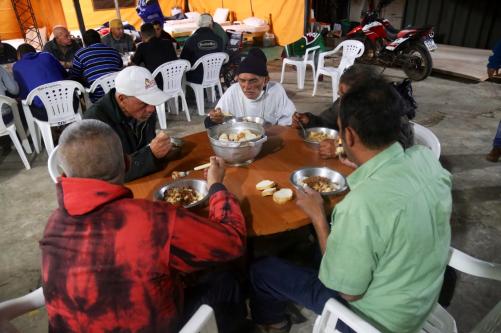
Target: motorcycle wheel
point(418, 64)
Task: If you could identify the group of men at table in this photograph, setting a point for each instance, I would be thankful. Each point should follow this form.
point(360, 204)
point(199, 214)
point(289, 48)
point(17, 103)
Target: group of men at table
point(114, 263)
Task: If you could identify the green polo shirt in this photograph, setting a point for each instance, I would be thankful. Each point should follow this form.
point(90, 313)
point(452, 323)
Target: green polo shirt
point(390, 238)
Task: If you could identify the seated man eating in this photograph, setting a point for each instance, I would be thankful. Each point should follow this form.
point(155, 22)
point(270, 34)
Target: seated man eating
point(129, 109)
point(254, 95)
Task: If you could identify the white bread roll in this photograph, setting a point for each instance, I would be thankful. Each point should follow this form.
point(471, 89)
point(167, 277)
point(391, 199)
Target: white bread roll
point(264, 184)
point(268, 191)
point(282, 196)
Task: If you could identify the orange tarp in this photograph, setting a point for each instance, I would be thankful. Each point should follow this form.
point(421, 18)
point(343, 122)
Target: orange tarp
point(287, 16)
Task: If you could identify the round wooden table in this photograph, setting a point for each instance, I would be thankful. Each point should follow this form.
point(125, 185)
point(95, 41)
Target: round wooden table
point(284, 152)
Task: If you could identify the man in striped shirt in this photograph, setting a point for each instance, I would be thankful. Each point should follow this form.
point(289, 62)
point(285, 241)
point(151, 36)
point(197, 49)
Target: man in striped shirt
point(94, 61)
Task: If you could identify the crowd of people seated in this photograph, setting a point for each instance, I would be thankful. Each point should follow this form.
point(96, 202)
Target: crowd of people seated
point(111, 262)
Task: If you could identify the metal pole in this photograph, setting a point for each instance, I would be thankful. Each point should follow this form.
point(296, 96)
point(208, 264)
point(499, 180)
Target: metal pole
point(78, 11)
point(117, 9)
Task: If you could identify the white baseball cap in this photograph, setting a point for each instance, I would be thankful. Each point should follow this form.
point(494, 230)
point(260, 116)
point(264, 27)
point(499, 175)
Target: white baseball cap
point(138, 82)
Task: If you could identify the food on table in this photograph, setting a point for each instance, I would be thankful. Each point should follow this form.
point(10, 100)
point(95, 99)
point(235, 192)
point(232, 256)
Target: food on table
point(339, 147)
point(245, 135)
point(265, 184)
point(318, 136)
point(268, 191)
point(182, 196)
point(320, 184)
point(282, 196)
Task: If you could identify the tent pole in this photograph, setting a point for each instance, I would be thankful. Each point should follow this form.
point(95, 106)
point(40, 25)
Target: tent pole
point(117, 9)
point(78, 11)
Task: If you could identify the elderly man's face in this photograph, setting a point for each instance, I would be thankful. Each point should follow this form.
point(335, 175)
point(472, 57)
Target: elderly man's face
point(135, 108)
point(63, 37)
point(252, 84)
point(117, 32)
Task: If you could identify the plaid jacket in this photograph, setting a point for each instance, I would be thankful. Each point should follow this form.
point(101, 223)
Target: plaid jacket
point(111, 263)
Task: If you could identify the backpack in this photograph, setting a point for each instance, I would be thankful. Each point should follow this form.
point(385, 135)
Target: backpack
point(404, 89)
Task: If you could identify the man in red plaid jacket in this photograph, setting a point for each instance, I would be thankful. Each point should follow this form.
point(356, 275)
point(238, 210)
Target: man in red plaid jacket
point(112, 263)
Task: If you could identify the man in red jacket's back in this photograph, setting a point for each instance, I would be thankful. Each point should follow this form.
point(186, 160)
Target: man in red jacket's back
point(112, 263)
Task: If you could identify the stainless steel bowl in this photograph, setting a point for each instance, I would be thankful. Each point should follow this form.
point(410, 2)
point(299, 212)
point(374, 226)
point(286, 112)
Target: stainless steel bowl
point(257, 120)
point(237, 153)
point(197, 184)
point(299, 175)
point(330, 132)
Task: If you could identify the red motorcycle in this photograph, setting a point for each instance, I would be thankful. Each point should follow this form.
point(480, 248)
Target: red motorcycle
point(384, 45)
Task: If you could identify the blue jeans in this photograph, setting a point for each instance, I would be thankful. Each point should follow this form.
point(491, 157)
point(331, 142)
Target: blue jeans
point(275, 282)
point(497, 138)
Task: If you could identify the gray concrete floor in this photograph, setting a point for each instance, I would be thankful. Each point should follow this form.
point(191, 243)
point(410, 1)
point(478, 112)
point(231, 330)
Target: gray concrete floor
point(464, 117)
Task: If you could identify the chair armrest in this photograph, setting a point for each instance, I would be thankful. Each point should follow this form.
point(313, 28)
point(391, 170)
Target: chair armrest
point(473, 266)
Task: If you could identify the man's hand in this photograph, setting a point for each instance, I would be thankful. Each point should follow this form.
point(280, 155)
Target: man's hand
point(312, 204)
point(160, 146)
point(297, 118)
point(327, 149)
point(216, 116)
point(215, 173)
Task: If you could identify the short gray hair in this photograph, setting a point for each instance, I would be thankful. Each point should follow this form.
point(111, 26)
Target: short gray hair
point(205, 21)
point(91, 149)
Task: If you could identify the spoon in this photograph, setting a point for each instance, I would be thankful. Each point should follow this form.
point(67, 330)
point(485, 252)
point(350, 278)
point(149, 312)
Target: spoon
point(302, 128)
point(180, 174)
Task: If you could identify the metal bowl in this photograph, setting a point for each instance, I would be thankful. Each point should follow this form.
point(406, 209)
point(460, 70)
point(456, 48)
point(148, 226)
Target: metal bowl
point(297, 177)
point(198, 185)
point(330, 132)
point(237, 153)
point(257, 120)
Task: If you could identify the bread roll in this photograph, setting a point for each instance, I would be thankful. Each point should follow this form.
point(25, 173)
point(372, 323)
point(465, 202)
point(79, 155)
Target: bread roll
point(268, 191)
point(264, 184)
point(282, 196)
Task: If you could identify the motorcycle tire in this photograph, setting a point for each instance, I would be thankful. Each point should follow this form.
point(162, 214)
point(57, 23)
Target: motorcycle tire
point(418, 66)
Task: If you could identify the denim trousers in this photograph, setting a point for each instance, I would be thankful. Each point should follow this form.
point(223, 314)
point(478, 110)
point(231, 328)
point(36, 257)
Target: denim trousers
point(497, 138)
point(275, 282)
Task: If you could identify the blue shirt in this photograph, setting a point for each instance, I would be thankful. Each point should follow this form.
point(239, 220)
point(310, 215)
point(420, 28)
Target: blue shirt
point(35, 69)
point(92, 62)
point(495, 59)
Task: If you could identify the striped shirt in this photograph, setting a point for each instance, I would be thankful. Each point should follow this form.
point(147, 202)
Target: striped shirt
point(92, 62)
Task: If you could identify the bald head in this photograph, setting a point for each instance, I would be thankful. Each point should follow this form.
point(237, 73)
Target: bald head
point(91, 149)
point(61, 36)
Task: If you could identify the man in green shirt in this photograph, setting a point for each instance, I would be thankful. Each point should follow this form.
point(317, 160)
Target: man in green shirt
point(385, 253)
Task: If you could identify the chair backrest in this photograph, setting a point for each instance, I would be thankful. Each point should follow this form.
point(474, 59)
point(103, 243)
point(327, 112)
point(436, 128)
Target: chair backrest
point(203, 321)
point(4, 100)
point(334, 311)
point(212, 64)
point(107, 82)
point(172, 74)
point(15, 307)
point(53, 165)
point(352, 49)
point(221, 15)
point(57, 98)
point(424, 136)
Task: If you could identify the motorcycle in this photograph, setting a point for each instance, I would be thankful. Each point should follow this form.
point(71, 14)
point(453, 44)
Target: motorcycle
point(384, 45)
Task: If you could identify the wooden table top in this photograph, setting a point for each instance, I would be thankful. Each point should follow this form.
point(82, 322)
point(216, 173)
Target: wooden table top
point(284, 152)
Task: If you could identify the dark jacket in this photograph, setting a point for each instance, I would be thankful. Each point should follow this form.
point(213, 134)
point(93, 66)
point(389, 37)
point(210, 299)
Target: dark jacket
point(67, 55)
point(8, 54)
point(203, 41)
point(135, 137)
point(327, 118)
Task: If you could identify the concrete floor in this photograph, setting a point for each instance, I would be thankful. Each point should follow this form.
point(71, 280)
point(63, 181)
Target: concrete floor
point(464, 117)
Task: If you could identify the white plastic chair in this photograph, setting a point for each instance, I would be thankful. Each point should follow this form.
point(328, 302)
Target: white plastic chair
point(424, 136)
point(13, 308)
point(106, 82)
point(212, 64)
point(301, 63)
point(203, 321)
point(172, 75)
point(53, 165)
point(352, 49)
point(57, 98)
point(439, 320)
point(10, 129)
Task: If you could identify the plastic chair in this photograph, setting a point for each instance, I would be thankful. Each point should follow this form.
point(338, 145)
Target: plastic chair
point(439, 320)
point(424, 136)
point(57, 98)
point(172, 75)
point(106, 82)
point(13, 308)
point(10, 129)
point(203, 321)
point(53, 165)
point(301, 63)
point(212, 64)
point(352, 49)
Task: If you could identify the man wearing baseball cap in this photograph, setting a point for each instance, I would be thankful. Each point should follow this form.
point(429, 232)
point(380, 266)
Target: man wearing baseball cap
point(128, 109)
point(118, 39)
point(254, 95)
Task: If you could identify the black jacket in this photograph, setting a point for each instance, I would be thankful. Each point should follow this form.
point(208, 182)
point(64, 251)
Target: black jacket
point(135, 137)
point(327, 118)
point(202, 42)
